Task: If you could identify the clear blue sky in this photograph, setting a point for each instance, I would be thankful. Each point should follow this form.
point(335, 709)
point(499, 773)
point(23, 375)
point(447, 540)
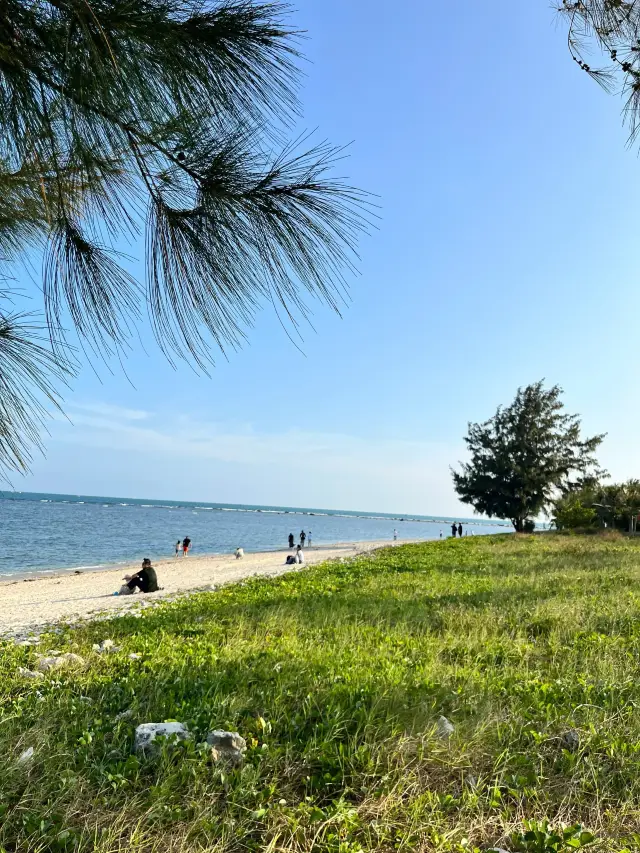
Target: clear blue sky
point(507, 252)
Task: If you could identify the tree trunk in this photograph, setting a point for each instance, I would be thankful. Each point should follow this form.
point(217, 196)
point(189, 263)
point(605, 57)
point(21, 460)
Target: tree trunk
point(518, 524)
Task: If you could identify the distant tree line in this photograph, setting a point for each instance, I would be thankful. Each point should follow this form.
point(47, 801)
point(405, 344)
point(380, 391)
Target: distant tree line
point(598, 505)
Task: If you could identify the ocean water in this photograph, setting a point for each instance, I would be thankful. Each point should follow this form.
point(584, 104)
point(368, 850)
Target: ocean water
point(47, 532)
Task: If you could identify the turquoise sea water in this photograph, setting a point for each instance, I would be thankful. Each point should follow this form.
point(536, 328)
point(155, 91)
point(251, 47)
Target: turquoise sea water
point(47, 532)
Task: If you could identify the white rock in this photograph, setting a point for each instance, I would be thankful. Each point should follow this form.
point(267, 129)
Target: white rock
point(65, 661)
point(146, 733)
point(229, 747)
point(28, 673)
point(106, 647)
point(26, 756)
point(444, 727)
point(134, 656)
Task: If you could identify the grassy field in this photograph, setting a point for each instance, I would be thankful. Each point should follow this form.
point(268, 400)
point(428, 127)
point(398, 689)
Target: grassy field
point(336, 677)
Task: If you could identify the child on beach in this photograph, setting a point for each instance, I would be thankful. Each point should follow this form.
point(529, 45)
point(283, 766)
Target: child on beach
point(178, 547)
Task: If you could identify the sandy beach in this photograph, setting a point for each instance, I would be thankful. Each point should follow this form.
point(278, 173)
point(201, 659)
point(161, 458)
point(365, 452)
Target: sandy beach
point(30, 604)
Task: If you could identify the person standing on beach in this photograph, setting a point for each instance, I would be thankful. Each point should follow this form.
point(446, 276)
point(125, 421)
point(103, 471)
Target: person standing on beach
point(186, 542)
point(395, 535)
point(309, 539)
point(178, 547)
point(454, 530)
point(460, 531)
point(291, 540)
point(303, 536)
point(441, 534)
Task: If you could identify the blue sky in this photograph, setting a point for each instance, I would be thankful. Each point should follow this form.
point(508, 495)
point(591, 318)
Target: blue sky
point(506, 252)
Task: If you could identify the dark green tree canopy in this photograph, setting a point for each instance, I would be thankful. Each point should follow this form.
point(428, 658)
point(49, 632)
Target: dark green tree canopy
point(168, 118)
point(523, 455)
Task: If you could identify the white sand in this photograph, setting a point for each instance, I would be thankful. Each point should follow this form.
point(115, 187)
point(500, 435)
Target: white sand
point(30, 604)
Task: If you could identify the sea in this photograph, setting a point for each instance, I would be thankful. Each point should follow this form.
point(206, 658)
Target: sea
point(47, 533)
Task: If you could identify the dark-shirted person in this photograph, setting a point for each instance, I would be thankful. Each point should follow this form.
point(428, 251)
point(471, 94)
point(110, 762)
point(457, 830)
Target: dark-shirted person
point(146, 580)
point(454, 530)
point(460, 531)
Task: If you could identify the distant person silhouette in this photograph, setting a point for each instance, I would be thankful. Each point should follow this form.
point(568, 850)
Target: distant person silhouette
point(291, 540)
point(303, 536)
point(395, 535)
point(309, 539)
point(441, 534)
point(454, 529)
point(186, 542)
point(178, 547)
point(459, 530)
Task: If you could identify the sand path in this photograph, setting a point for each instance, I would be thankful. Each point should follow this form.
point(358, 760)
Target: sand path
point(27, 605)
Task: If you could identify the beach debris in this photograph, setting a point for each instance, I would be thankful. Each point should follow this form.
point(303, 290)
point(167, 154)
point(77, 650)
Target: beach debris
point(124, 715)
point(227, 747)
point(146, 733)
point(29, 673)
point(64, 661)
point(26, 756)
point(570, 740)
point(106, 647)
point(444, 727)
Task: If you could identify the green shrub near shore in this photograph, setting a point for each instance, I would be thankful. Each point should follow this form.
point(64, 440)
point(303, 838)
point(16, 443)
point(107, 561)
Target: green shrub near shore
point(336, 677)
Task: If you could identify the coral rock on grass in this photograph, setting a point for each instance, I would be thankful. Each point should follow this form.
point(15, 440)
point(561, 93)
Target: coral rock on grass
point(146, 733)
point(228, 747)
point(29, 673)
point(570, 740)
point(66, 661)
point(444, 727)
point(26, 756)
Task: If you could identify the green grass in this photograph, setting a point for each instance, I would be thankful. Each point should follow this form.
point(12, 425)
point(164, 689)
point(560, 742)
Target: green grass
point(336, 676)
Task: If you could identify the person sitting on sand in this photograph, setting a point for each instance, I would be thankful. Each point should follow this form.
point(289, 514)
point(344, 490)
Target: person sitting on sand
point(239, 553)
point(146, 580)
point(296, 558)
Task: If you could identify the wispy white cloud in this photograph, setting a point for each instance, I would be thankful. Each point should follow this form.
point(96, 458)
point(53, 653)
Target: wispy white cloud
point(117, 413)
point(294, 467)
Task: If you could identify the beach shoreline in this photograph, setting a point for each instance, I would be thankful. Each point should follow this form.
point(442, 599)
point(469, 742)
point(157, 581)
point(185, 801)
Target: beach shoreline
point(32, 603)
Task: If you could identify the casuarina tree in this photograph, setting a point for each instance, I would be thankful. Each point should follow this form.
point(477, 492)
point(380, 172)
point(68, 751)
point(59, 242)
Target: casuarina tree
point(523, 456)
point(167, 117)
point(613, 28)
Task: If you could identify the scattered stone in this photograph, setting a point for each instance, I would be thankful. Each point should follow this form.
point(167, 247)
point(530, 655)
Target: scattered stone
point(26, 756)
point(570, 740)
point(228, 747)
point(124, 715)
point(66, 661)
point(134, 656)
point(106, 647)
point(29, 673)
point(444, 727)
point(497, 850)
point(30, 641)
point(146, 733)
